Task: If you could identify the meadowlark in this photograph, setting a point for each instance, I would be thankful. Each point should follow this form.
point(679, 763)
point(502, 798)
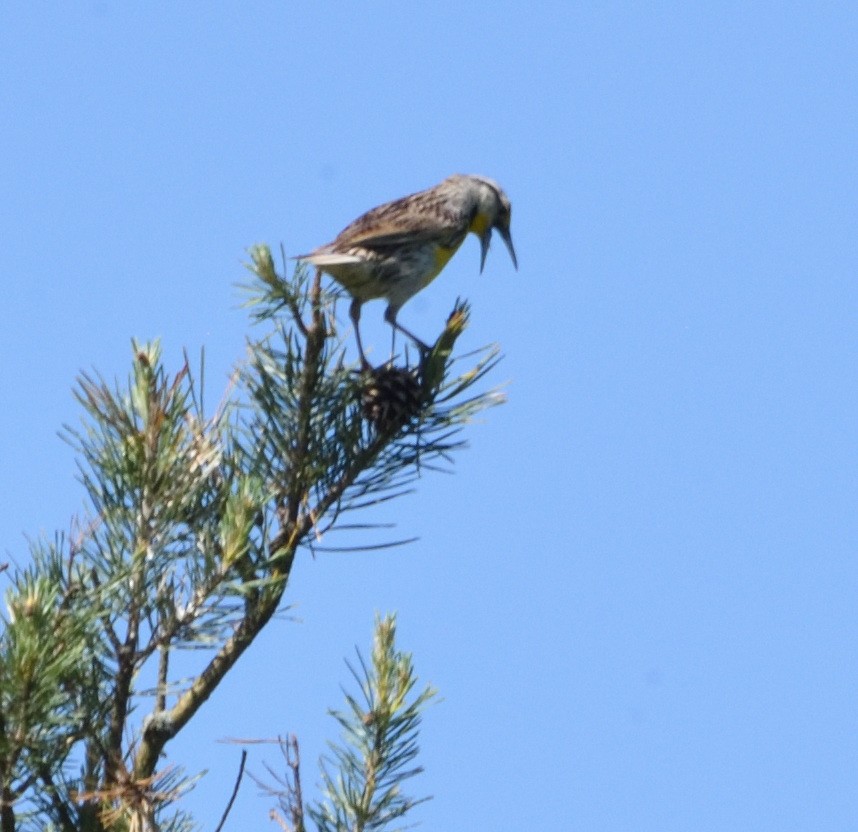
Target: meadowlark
point(395, 250)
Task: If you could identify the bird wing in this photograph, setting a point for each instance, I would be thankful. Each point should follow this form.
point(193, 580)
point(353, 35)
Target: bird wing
point(412, 219)
point(393, 233)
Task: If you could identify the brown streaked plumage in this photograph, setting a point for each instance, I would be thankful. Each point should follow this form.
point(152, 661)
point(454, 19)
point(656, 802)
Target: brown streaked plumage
point(395, 250)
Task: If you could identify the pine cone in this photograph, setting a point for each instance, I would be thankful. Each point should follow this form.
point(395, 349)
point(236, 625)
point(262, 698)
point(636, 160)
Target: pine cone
point(390, 397)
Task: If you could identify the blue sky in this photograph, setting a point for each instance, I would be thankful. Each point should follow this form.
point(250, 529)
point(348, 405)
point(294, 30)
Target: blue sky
point(637, 593)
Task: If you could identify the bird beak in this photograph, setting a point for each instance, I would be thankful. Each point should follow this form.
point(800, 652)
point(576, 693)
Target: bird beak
point(507, 238)
point(485, 239)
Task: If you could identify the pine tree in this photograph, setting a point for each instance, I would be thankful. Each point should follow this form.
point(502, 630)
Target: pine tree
point(194, 521)
point(364, 774)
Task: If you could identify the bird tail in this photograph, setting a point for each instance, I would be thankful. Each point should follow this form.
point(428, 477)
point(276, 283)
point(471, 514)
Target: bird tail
point(323, 260)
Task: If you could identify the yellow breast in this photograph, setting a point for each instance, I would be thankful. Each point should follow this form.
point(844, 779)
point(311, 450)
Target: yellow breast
point(479, 224)
point(443, 255)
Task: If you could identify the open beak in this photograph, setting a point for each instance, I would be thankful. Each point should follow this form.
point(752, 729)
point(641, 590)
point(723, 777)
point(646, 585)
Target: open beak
point(485, 239)
point(505, 236)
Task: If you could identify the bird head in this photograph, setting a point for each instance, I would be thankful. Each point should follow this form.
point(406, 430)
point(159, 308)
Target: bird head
point(492, 212)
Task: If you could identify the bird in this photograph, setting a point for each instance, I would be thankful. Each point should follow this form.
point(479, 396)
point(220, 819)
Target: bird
point(398, 248)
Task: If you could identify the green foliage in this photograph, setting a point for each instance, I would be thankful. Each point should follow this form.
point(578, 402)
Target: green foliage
point(194, 520)
point(41, 653)
point(331, 453)
point(363, 778)
point(364, 774)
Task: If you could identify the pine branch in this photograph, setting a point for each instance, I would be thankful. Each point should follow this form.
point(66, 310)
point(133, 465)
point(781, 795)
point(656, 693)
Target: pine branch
point(165, 725)
point(364, 775)
point(194, 527)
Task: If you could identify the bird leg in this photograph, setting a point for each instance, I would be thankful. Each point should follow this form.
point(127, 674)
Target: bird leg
point(390, 317)
point(354, 314)
point(392, 344)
